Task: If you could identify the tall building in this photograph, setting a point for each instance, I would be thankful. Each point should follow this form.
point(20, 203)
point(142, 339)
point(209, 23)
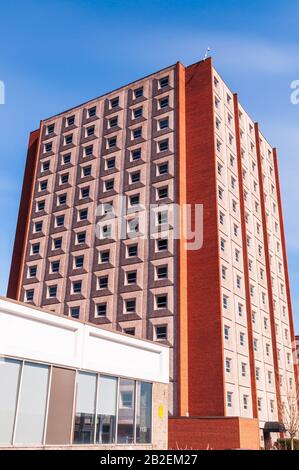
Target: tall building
point(176, 136)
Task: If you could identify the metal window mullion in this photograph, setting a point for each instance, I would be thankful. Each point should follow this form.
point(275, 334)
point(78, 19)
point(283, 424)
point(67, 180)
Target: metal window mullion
point(74, 409)
point(18, 403)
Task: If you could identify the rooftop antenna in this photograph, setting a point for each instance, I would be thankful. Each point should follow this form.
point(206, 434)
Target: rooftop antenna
point(207, 53)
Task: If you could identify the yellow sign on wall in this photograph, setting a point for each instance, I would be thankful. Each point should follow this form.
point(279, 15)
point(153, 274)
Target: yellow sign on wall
point(161, 411)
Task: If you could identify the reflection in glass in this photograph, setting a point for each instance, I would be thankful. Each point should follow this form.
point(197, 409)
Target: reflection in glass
point(106, 410)
point(9, 381)
point(85, 408)
point(144, 412)
point(125, 429)
point(32, 404)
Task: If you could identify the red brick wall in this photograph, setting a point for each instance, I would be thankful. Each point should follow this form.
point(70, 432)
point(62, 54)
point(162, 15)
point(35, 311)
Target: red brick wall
point(205, 356)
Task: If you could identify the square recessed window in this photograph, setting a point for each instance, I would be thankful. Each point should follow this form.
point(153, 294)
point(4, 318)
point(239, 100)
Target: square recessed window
point(29, 295)
point(137, 113)
point(60, 221)
point(79, 261)
point(112, 142)
point(163, 124)
point(113, 122)
point(46, 166)
point(102, 309)
point(32, 271)
point(162, 217)
point(160, 332)
point(164, 82)
point(70, 121)
point(130, 306)
point(43, 185)
point(50, 128)
point(137, 133)
point(88, 150)
point(38, 226)
point(66, 158)
point(77, 287)
point(129, 331)
point(86, 171)
point(162, 272)
point(91, 112)
point(52, 291)
point(163, 145)
point(48, 147)
point(68, 139)
point(55, 266)
point(41, 206)
point(84, 192)
point(109, 185)
point(164, 102)
point(114, 102)
point(132, 250)
point(90, 131)
point(162, 192)
point(162, 245)
point(138, 92)
point(35, 248)
point(81, 237)
point(131, 277)
point(163, 168)
point(64, 179)
point(57, 243)
point(161, 301)
point(136, 154)
point(103, 282)
point(135, 177)
point(104, 256)
point(134, 200)
point(83, 214)
point(75, 312)
point(61, 199)
point(110, 163)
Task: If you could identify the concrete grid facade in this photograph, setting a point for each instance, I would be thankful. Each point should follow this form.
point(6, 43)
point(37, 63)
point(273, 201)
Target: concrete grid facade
point(179, 135)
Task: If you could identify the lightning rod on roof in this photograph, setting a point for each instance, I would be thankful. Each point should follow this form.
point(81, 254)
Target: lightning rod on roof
point(207, 53)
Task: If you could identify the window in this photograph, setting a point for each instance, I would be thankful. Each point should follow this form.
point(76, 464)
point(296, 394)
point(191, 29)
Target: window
point(134, 200)
point(164, 102)
point(163, 124)
point(35, 248)
point(245, 402)
point(32, 271)
point(229, 399)
point(269, 377)
point(102, 309)
point(138, 92)
point(238, 282)
point(135, 155)
point(90, 131)
point(240, 309)
point(48, 147)
point(75, 312)
point(130, 306)
point(77, 287)
point(86, 171)
point(163, 192)
point(137, 113)
point(135, 177)
point(68, 139)
point(66, 158)
point(29, 295)
point(243, 369)
point(81, 237)
point(103, 282)
point(226, 332)
point(221, 218)
point(242, 339)
point(52, 291)
point(60, 221)
point(257, 373)
point(57, 243)
point(55, 266)
point(162, 272)
point(132, 250)
point(162, 217)
point(70, 120)
point(164, 82)
point(137, 133)
point(45, 166)
point(83, 214)
point(114, 102)
point(228, 365)
point(160, 332)
point(43, 185)
point(162, 245)
point(161, 301)
point(50, 128)
point(91, 112)
point(255, 344)
point(40, 206)
point(131, 277)
point(106, 409)
point(104, 256)
point(88, 150)
point(112, 142)
point(64, 179)
point(38, 226)
point(61, 199)
point(85, 192)
point(222, 245)
point(113, 122)
point(79, 261)
point(163, 168)
point(110, 163)
point(259, 404)
point(223, 272)
point(163, 145)
point(129, 331)
point(225, 301)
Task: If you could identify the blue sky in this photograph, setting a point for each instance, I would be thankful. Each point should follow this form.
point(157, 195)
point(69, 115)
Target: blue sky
point(56, 54)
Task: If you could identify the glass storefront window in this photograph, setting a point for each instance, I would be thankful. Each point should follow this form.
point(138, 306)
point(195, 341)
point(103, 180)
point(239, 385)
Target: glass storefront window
point(106, 410)
point(85, 408)
point(32, 404)
point(126, 411)
point(144, 413)
point(9, 383)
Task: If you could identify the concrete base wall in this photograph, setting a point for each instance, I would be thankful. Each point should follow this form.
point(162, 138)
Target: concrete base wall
point(213, 433)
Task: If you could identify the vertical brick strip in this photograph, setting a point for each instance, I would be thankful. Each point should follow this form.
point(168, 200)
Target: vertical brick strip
point(268, 272)
point(245, 261)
